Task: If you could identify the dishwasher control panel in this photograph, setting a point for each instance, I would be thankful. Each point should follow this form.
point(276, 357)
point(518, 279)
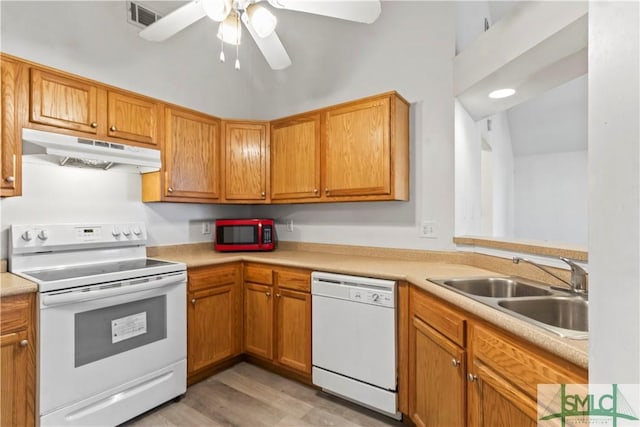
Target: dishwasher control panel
point(371, 296)
point(364, 290)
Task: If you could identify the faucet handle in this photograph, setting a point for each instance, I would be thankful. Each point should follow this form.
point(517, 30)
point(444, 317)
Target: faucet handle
point(578, 276)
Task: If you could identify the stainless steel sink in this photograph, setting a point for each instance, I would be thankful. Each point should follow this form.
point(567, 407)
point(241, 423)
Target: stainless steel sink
point(553, 309)
point(495, 287)
point(562, 312)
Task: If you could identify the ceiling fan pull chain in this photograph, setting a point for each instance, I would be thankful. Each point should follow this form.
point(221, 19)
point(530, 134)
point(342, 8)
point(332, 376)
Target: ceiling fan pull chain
point(221, 51)
point(238, 41)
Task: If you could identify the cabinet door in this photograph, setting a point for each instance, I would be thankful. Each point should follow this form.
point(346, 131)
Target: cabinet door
point(212, 326)
point(495, 402)
point(293, 332)
point(258, 320)
point(357, 149)
point(63, 102)
point(436, 378)
point(295, 158)
point(245, 163)
point(133, 118)
point(191, 155)
point(10, 139)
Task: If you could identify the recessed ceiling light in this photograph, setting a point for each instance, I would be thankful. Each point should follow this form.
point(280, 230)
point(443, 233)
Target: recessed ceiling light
point(502, 93)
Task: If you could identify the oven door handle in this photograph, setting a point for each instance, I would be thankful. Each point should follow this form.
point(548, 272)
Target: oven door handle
point(109, 291)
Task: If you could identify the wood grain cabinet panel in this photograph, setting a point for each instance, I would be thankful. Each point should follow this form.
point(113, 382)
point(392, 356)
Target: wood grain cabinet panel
point(214, 316)
point(18, 360)
point(295, 158)
point(133, 118)
point(63, 102)
point(293, 333)
point(357, 150)
point(246, 162)
point(191, 160)
point(258, 320)
point(13, 103)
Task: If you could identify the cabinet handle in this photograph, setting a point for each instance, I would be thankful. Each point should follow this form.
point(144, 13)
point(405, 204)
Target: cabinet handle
point(455, 363)
point(326, 191)
point(24, 343)
point(471, 377)
point(193, 301)
point(170, 190)
point(113, 128)
point(10, 179)
point(263, 194)
point(268, 294)
point(277, 295)
point(94, 125)
point(315, 191)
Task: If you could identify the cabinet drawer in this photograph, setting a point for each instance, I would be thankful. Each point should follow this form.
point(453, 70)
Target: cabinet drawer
point(438, 316)
point(524, 367)
point(208, 277)
point(298, 280)
point(258, 274)
point(15, 312)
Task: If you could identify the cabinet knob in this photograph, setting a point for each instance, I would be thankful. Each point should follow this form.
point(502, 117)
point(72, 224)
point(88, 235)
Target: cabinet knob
point(277, 295)
point(268, 294)
point(170, 190)
point(193, 301)
point(455, 363)
point(315, 191)
point(10, 179)
point(24, 343)
point(263, 194)
point(326, 191)
point(113, 128)
point(94, 125)
point(471, 377)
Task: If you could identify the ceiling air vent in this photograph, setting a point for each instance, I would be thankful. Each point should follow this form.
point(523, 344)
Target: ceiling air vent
point(140, 15)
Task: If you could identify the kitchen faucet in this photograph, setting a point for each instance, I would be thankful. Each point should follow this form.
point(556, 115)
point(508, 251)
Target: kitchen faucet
point(578, 282)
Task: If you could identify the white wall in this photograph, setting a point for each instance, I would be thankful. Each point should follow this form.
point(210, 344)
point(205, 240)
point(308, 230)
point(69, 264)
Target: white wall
point(413, 58)
point(551, 197)
point(614, 192)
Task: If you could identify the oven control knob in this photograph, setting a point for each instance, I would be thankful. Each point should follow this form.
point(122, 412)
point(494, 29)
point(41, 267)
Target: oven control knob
point(137, 231)
point(43, 235)
point(115, 232)
point(27, 236)
point(126, 231)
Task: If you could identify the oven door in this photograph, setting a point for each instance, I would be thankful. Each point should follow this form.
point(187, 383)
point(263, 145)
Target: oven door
point(100, 345)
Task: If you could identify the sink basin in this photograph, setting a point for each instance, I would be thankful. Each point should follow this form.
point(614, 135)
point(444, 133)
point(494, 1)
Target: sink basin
point(495, 287)
point(561, 312)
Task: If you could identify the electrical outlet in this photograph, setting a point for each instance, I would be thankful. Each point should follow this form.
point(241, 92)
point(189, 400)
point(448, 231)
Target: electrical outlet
point(428, 229)
point(290, 225)
point(206, 227)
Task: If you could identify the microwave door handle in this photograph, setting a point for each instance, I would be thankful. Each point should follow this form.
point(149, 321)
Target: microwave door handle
point(259, 242)
point(93, 294)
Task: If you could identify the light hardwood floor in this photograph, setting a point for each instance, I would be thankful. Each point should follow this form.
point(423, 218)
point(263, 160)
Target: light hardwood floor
point(248, 396)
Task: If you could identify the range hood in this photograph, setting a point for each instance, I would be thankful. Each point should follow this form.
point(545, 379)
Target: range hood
point(67, 150)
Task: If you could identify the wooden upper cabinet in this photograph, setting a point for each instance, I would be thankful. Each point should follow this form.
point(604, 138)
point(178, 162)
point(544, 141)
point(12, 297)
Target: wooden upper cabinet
point(133, 118)
point(63, 102)
point(295, 158)
point(191, 155)
point(366, 149)
point(14, 86)
point(246, 162)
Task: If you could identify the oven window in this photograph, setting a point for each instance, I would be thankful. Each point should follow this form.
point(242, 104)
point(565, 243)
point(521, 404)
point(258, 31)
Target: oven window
point(111, 330)
point(237, 234)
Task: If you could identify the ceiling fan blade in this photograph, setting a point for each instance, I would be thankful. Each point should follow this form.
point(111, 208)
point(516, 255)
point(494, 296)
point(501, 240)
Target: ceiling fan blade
point(174, 22)
point(365, 11)
point(270, 46)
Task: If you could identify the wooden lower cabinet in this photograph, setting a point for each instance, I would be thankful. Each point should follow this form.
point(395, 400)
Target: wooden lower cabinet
point(277, 317)
point(214, 316)
point(437, 386)
point(466, 372)
point(18, 356)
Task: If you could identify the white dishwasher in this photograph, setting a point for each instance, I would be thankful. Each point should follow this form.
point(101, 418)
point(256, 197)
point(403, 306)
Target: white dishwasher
point(354, 339)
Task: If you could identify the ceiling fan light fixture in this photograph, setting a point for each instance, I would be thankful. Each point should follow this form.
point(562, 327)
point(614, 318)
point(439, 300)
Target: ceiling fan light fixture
point(262, 20)
point(229, 30)
point(218, 10)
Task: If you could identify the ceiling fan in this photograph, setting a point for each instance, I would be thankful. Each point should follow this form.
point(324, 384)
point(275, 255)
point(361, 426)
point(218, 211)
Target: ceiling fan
point(258, 20)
